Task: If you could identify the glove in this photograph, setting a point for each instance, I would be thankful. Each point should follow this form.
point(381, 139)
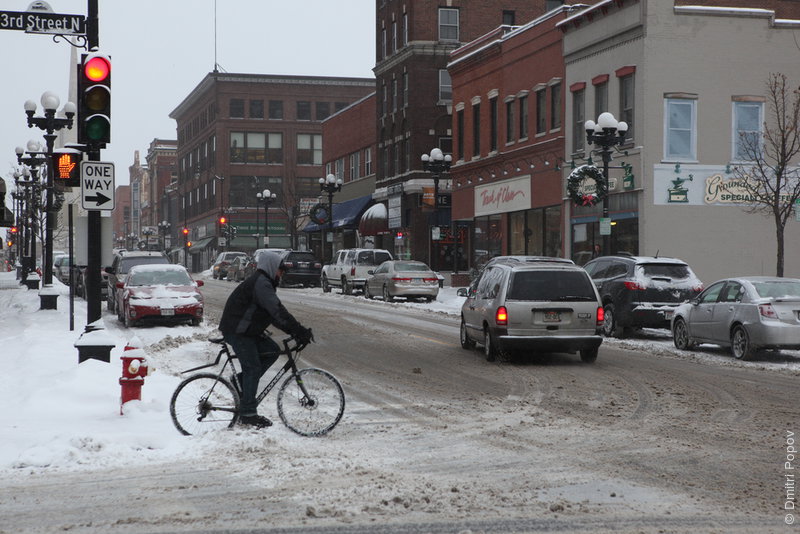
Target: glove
point(303, 335)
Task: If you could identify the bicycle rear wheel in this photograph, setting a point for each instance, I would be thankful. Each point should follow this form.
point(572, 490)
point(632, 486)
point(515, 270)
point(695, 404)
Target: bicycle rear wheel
point(317, 413)
point(204, 403)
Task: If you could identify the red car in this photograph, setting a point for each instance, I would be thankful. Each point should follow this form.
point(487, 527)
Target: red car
point(160, 293)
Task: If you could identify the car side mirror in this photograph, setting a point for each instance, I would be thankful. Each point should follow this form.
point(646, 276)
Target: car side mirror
point(120, 285)
point(199, 283)
point(462, 292)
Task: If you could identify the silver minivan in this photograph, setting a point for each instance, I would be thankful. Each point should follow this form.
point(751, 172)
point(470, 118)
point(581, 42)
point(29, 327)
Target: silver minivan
point(542, 306)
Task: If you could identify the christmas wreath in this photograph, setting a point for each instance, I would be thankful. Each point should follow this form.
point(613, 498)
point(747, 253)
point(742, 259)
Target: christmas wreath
point(318, 214)
point(577, 186)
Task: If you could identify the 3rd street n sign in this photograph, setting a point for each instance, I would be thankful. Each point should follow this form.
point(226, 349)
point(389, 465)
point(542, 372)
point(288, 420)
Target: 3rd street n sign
point(97, 185)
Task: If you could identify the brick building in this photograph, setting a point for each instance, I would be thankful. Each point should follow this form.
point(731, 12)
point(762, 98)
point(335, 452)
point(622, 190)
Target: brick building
point(239, 134)
point(414, 108)
point(163, 199)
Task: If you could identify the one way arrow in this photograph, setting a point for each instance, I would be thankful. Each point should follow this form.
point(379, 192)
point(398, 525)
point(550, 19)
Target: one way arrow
point(99, 199)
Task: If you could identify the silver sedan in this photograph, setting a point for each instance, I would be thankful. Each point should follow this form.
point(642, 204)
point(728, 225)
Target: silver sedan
point(402, 278)
point(746, 314)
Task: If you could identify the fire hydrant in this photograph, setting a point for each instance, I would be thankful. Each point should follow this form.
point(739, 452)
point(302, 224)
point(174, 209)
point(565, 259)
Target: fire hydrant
point(134, 369)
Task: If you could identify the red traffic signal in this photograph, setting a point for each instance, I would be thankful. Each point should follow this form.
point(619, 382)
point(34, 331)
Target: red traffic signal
point(185, 231)
point(94, 99)
point(14, 230)
point(67, 167)
point(223, 220)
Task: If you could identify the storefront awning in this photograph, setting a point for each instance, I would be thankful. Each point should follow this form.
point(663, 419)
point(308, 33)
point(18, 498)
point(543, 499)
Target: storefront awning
point(374, 221)
point(200, 244)
point(345, 214)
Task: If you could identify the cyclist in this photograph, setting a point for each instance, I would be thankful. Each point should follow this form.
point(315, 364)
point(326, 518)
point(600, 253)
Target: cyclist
point(251, 308)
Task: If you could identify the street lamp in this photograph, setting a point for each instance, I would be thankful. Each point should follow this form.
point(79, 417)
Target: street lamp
point(32, 184)
point(606, 133)
point(267, 197)
point(49, 123)
point(436, 163)
point(163, 228)
point(330, 185)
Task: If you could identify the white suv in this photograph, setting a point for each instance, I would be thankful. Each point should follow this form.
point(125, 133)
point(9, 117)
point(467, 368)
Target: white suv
point(547, 306)
point(348, 270)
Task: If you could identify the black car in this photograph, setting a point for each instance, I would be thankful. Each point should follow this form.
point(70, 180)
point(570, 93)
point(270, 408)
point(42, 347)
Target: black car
point(641, 291)
point(302, 268)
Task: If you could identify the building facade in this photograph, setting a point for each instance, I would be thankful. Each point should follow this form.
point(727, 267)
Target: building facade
point(690, 79)
point(241, 134)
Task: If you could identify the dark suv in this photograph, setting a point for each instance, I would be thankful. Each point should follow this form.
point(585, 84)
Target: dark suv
point(641, 291)
point(122, 263)
point(301, 268)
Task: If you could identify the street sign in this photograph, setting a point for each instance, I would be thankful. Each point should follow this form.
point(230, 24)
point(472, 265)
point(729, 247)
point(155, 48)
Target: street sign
point(97, 185)
point(605, 225)
point(52, 23)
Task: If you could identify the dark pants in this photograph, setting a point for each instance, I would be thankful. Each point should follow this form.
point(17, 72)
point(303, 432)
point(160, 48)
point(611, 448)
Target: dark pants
point(256, 355)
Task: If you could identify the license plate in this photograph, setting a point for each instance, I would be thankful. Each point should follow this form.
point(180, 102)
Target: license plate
point(552, 316)
point(668, 314)
point(416, 280)
point(167, 311)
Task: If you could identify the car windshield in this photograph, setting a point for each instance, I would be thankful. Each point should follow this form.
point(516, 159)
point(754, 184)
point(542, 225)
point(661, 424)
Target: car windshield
point(125, 266)
point(777, 288)
point(407, 266)
point(154, 278)
point(551, 286)
point(676, 271)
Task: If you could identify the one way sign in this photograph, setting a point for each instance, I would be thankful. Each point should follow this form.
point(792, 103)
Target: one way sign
point(97, 185)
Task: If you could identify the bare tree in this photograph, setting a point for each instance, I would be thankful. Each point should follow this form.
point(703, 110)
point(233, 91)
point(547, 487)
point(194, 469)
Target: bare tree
point(772, 177)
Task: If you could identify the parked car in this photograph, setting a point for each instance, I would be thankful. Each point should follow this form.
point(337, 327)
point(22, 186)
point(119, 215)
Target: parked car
point(641, 291)
point(120, 266)
point(80, 283)
point(164, 293)
point(402, 278)
point(237, 267)
point(348, 270)
point(547, 306)
point(61, 268)
point(745, 313)
point(301, 268)
point(220, 267)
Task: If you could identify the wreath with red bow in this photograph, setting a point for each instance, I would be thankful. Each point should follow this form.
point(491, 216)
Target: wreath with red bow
point(579, 191)
point(318, 214)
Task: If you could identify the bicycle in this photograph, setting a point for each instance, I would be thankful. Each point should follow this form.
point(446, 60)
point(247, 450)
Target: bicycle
point(310, 401)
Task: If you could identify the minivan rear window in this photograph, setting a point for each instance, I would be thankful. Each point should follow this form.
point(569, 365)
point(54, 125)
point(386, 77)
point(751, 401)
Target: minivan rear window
point(551, 286)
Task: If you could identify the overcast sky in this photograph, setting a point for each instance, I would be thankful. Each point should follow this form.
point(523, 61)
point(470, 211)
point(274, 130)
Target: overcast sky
point(161, 50)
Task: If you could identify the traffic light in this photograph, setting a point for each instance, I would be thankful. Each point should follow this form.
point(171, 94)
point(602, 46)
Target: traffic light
point(67, 167)
point(185, 232)
point(94, 99)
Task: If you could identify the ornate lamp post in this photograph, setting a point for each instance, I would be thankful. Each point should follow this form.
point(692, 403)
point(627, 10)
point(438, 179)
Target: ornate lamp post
point(32, 185)
point(330, 185)
point(605, 133)
point(163, 228)
point(266, 197)
point(50, 124)
point(436, 163)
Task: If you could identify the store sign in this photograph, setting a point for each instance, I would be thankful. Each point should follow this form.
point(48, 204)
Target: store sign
point(395, 211)
point(503, 197)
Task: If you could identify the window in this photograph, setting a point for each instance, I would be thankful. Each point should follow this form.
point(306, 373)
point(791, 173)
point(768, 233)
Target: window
point(394, 36)
point(367, 161)
point(394, 94)
point(243, 189)
point(323, 110)
point(405, 29)
point(747, 121)
point(680, 129)
point(384, 99)
point(508, 17)
point(303, 110)
point(339, 106)
point(510, 123)
point(460, 137)
point(492, 124)
point(448, 24)
point(383, 42)
point(340, 169)
point(541, 119)
point(236, 108)
point(445, 85)
point(405, 89)
point(578, 118)
point(601, 98)
point(476, 130)
point(555, 106)
point(276, 109)
point(256, 147)
point(256, 109)
point(626, 87)
point(309, 149)
point(523, 117)
point(354, 165)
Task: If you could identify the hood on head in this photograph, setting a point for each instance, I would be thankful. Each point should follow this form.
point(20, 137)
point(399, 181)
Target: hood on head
point(269, 262)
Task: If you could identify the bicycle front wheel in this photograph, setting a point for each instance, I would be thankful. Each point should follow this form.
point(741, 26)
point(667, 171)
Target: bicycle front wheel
point(204, 403)
point(318, 412)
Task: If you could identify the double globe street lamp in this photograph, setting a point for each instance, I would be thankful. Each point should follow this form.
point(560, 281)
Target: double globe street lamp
point(163, 228)
point(436, 163)
point(606, 133)
point(266, 197)
point(330, 185)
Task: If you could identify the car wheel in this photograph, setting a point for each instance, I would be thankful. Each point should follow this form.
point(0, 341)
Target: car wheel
point(196, 321)
point(489, 349)
point(367, 293)
point(110, 303)
point(326, 287)
point(589, 355)
point(347, 287)
point(740, 343)
point(680, 335)
point(387, 297)
point(610, 326)
point(466, 342)
point(126, 320)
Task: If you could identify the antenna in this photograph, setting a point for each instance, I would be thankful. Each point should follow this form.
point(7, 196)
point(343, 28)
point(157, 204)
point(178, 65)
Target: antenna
point(215, 37)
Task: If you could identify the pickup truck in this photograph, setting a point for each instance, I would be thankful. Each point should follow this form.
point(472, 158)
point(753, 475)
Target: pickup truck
point(349, 267)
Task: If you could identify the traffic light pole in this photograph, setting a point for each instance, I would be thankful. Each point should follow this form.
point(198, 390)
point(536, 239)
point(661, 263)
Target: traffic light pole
point(94, 237)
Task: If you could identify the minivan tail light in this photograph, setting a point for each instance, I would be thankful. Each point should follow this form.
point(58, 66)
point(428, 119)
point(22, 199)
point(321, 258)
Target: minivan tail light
point(501, 317)
point(766, 310)
point(633, 286)
point(601, 315)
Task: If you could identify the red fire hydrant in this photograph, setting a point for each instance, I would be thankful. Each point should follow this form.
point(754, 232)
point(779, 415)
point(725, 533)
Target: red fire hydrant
point(134, 369)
